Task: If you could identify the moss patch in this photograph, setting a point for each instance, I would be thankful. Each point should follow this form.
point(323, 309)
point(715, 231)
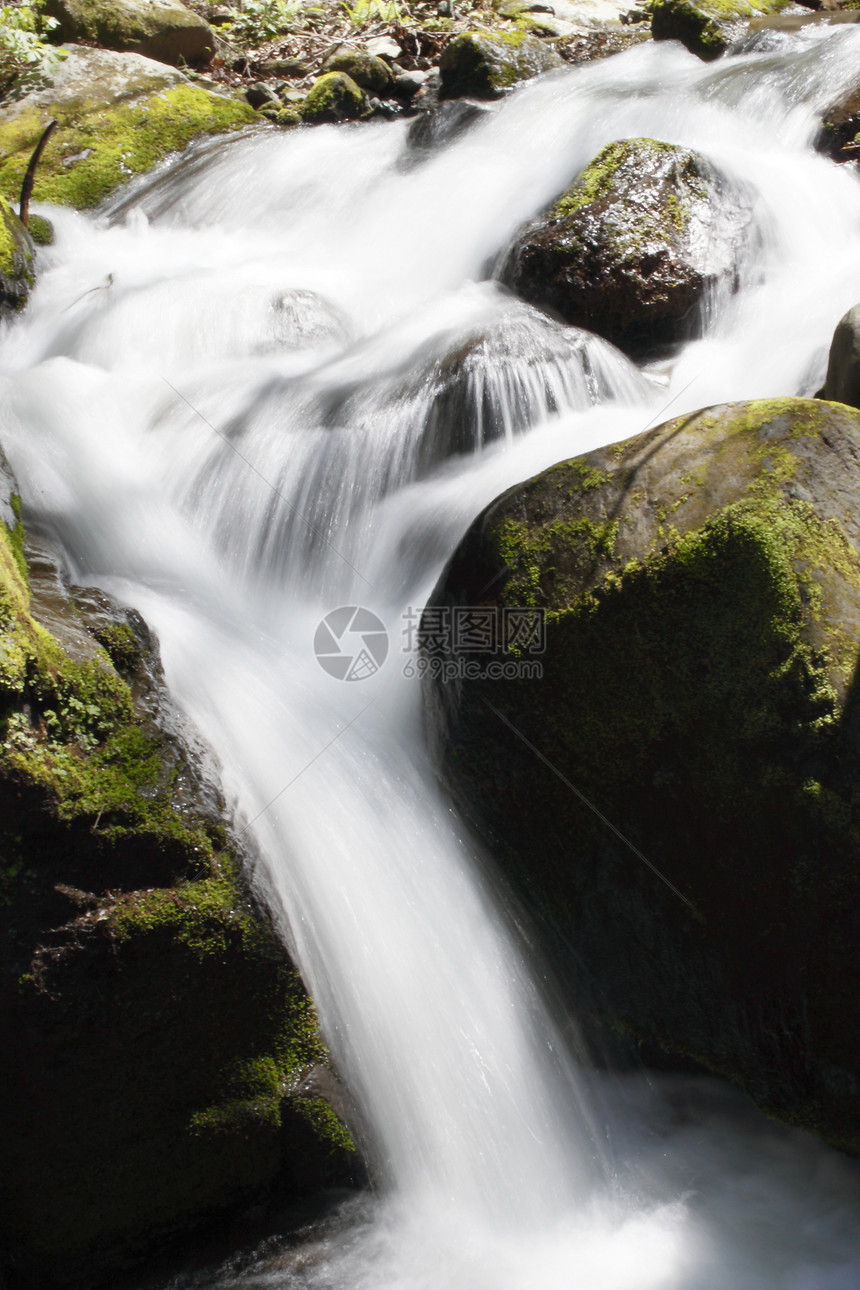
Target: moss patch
point(98, 148)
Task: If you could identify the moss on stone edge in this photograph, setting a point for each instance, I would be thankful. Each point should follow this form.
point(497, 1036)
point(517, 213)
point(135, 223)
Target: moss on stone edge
point(97, 149)
point(158, 1034)
point(597, 179)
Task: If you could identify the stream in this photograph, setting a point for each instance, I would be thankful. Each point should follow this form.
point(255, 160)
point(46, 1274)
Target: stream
point(276, 378)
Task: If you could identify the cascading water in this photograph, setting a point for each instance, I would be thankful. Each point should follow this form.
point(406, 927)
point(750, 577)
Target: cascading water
point(271, 383)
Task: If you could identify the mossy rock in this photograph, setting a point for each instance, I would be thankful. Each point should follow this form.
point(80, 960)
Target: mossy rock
point(369, 73)
point(334, 97)
point(16, 260)
point(708, 27)
point(166, 30)
point(701, 586)
point(119, 115)
point(41, 230)
point(156, 1034)
point(838, 135)
point(487, 64)
point(632, 248)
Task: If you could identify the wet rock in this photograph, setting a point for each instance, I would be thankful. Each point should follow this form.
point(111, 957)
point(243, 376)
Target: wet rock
point(367, 71)
point(839, 134)
point(842, 384)
point(17, 273)
point(155, 1031)
point(485, 65)
point(635, 246)
point(334, 97)
point(166, 30)
point(439, 126)
point(707, 27)
point(702, 589)
point(41, 230)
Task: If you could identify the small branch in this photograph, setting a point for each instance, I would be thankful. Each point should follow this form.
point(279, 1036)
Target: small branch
point(27, 186)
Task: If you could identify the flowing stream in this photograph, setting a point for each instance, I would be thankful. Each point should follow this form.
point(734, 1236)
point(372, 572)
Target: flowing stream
point(276, 378)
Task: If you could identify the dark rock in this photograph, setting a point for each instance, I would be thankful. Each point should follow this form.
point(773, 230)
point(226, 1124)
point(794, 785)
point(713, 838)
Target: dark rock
point(485, 65)
point(368, 72)
point(290, 67)
point(702, 589)
point(703, 34)
point(842, 384)
point(334, 97)
point(839, 134)
point(635, 246)
point(155, 1033)
point(441, 125)
point(259, 95)
point(16, 260)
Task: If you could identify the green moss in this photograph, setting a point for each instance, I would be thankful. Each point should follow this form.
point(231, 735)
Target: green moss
point(598, 178)
point(334, 97)
point(97, 149)
point(41, 230)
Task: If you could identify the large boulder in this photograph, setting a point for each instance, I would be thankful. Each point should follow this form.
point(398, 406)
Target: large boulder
point(119, 115)
point(166, 30)
point(631, 250)
point(156, 1036)
point(842, 383)
point(16, 260)
point(676, 801)
point(707, 27)
point(487, 64)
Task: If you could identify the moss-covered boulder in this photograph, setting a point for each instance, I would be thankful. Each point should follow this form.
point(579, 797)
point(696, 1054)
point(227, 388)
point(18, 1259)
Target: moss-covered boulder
point(677, 800)
point(119, 115)
point(166, 30)
point(156, 1037)
point(708, 27)
point(486, 64)
point(16, 260)
point(369, 72)
point(334, 97)
point(634, 246)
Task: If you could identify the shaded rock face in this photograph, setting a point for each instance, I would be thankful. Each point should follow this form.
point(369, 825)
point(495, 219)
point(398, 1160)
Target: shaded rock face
point(166, 30)
point(842, 383)
point(433, 130)
point(155, 1035)
point(485, 65)
point(119, 115)
point(643, 240)
point(702, 590)
point(840, 125)
point(709, 27)
point(16, 260)
point(692, 26)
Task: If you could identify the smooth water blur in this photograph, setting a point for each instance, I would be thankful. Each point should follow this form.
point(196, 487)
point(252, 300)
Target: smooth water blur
point(275, 379)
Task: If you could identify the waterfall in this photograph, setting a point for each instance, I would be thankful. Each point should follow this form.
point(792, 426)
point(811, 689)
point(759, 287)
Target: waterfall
point(275, 379)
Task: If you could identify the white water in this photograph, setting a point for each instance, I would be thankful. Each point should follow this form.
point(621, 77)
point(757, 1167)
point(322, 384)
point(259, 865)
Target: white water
point(235, 403)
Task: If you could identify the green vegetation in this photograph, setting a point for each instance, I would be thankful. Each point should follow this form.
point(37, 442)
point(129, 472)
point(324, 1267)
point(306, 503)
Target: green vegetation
point(24, 30)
